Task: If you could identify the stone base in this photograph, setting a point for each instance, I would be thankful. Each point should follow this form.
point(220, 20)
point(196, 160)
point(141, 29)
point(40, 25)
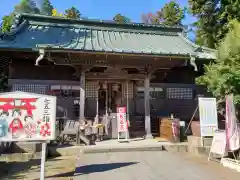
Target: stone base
point(199, 142)
point(148, 136)
point(26, 147)
point(198, 146)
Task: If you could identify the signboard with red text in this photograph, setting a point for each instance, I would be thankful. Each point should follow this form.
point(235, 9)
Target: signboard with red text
point(121, 118)
point(27, 117)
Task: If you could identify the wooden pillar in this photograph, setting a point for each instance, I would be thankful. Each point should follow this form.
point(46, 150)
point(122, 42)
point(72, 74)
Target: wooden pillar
point(97, 104)
point(147, 106)
point(82, 96)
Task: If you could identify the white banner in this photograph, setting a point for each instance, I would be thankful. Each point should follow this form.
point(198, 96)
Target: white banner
point(208, 116)
point(121, 119)
point(27, 117)
point(232, 128)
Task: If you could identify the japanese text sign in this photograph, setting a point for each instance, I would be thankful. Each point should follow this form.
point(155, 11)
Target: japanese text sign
point(208, 116)
point(121, 118)
point(27, 117)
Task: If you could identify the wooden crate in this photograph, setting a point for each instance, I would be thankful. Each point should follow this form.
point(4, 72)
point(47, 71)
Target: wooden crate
point(166, 126)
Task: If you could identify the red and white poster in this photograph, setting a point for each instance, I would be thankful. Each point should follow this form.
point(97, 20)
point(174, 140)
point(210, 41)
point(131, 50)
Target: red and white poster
point(121, 118)
point(27, 117)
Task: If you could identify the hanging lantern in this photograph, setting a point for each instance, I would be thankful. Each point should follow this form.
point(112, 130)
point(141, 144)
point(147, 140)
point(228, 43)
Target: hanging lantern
point(104, 86)
point(115, 87)
point(97, 86)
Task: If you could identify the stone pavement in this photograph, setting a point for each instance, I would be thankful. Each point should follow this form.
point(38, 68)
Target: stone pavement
point(149, 165)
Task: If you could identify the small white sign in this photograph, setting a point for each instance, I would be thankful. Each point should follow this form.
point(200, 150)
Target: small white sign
point(121, 118)
point(208, 116)
point(218, 146)
point(219, 143)
point(27, 117)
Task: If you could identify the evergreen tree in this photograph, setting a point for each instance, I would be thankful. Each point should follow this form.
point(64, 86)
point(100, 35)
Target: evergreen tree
point(229, 10)
point(27, 6)
point(171, 14)
point(222, 77)
point(7, 22)
point(213, 18)
point(121, 19)
point(207, 13)
point(46, 7)
point(72, 13)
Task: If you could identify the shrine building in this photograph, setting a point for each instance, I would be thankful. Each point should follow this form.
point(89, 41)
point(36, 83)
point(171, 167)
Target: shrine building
point(94, 66)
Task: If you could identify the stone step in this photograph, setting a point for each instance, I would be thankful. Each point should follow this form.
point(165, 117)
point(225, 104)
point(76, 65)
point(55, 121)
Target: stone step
point(19, 157)
point(54, 151)
point(176, 148)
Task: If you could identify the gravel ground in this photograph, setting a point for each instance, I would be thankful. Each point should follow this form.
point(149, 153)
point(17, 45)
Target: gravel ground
point(60, 168)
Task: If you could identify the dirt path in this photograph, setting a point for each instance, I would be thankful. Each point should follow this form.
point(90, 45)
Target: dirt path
point(61, 168)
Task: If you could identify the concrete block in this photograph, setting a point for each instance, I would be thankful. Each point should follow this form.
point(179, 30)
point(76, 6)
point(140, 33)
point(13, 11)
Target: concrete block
point(175, 148)
point(194, 141)
point(195, 145)
point(16, 157)
point(26, 147)
point(55, 151)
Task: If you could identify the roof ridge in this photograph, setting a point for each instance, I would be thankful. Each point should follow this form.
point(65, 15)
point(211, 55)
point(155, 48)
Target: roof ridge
point(20, 20)
point(106, 22)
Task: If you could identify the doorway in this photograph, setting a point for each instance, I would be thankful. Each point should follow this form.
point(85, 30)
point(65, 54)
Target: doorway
point(109, 97)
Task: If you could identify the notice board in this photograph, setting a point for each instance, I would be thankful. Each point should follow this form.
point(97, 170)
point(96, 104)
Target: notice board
point(208, 116)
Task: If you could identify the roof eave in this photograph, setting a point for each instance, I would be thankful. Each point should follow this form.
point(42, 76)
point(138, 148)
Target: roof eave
point(195, 45)
point(49, 48)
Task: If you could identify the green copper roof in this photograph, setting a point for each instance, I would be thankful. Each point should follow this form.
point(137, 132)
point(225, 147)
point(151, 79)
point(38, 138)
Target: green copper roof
point(34, 32)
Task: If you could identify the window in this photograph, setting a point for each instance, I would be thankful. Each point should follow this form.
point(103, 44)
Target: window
point(65, 90)
point(179, 93)
point(31, 88)
point(91, 89)
point(155, 93)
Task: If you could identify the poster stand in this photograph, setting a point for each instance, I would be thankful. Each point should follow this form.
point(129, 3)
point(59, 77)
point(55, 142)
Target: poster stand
point(218, 146)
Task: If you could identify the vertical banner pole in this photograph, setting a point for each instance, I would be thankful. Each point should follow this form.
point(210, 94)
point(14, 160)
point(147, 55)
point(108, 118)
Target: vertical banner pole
point(118, 124)
point(43, 159)
point(127, 115)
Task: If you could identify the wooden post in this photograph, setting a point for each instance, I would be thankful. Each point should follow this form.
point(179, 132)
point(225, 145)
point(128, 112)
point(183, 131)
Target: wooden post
point(106, 111)
point(97, 104)
point(82, 96)
point(147, 106)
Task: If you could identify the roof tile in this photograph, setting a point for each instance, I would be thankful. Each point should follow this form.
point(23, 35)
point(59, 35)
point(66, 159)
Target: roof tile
point(99, 38)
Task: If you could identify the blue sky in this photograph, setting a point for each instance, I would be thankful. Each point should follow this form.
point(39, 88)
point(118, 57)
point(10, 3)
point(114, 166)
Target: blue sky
point(103, 9)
